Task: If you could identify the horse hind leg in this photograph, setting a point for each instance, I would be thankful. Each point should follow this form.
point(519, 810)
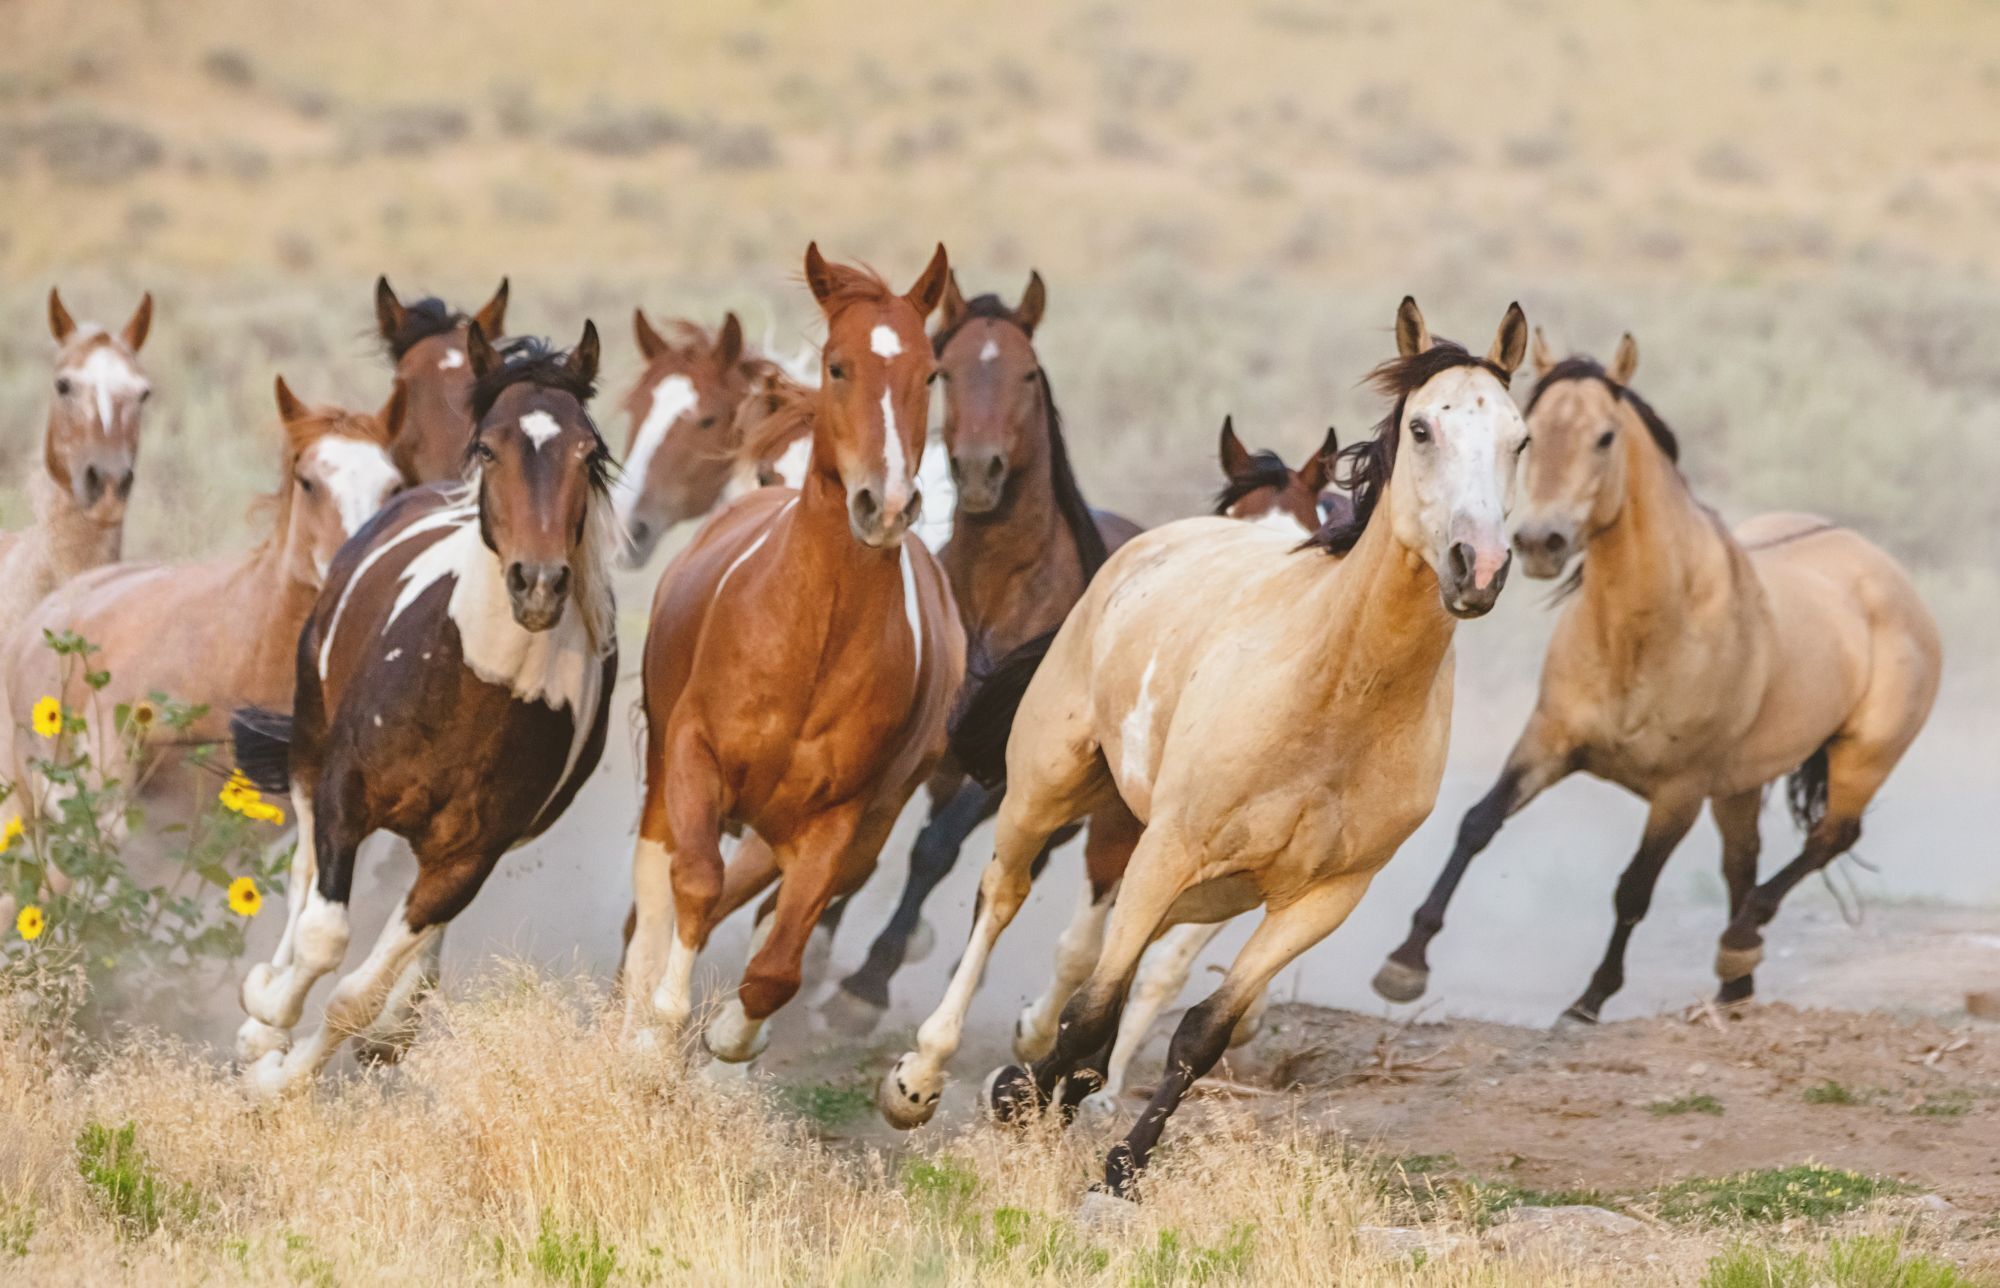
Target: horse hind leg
point(312, 944)
point(388, 1039)
point(1076, 952)
point(1163, 973)
point(1669, 820)
point(1736, 818)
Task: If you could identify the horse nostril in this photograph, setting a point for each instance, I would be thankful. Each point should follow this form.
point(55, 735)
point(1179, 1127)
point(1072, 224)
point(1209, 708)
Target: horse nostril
point(517, 579)
point(1554, 543)
point(994, 468)
point(639, 534)
point(558, 581)
point(123, 485)
point(1462, 557)
point(865, 504)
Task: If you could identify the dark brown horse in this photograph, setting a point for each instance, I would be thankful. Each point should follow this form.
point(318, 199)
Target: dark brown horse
point(427, 342)
point(801, 661)
point(1262, 489)
point(1024, 544)
point(453, 688)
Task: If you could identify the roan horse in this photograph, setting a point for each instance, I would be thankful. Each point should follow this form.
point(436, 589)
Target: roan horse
point(1341, 648)
point(1024, 544)
point(88, 449)
point(453, 687)
point(1695, 665)
point(427, 343)
point(801, 661)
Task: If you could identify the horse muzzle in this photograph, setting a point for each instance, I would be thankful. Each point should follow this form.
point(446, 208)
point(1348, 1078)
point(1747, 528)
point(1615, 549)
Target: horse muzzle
point(1470, 584)
point(981, 482)
point(880, 524)
point(538, 593)
point(1545, 551)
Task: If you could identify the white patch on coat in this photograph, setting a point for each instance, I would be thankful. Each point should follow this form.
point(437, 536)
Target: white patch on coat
point(673, 398)
point(940, 496)
point(540, 427)
point(359, 475)
point(989, 351)
point(445, 518)
point(790, 467)
point(913, 609)
point(393, 654)
point(452, 360)
point(1135, 736)
point(884, 341)
point(1282, 522)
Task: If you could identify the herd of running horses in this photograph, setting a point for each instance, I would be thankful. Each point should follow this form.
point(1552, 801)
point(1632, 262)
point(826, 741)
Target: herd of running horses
point(1241, 710)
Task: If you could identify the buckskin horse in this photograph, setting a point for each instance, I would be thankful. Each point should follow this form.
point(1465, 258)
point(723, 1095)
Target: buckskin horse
point(1695, 664)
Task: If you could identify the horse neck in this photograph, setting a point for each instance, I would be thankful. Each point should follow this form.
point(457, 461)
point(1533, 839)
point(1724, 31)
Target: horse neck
point(1382, 633)
point(1019, 558)
point(276, 584)
point(68, 539)
point(823, 547)
point(1641, 564)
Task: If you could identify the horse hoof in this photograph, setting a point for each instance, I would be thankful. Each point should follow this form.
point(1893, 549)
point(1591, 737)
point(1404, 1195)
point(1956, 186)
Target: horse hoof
point(264, 1078)
point(1735, 963)
point(1009, 1094)
point(255, 994)
point(850, 1014)
point(381, 1052)
point(256, 1039)
point(1097, 1108)
point(733, 1037)
point(725, 1073)
point(1030, 1044)
point(1576, 1017)
point(906, 1098)
point(1396, 982)
point(923, 942)
point(1105, 1212)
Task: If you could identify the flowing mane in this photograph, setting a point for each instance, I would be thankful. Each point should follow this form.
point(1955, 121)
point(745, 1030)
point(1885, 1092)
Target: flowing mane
point(1267, 469)
point(853, 284)
point(420, 321)
point(1582, 368)
point(1363, 468)
point(781, 413)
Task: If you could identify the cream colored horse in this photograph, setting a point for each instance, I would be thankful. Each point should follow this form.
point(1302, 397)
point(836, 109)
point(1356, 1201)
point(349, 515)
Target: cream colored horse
point(1275, 716)
point(84, 478)
point(1695, 665)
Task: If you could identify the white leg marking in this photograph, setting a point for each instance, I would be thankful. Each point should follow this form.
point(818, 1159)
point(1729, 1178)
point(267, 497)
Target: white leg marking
point(652, 928)
point(319, 941)
point(1076, 952)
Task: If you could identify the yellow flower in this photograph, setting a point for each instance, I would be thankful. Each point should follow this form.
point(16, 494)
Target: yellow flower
point(48, 717)
point(11, 833)
point(31, 923)
point(264, 812)
point(244, 898)
point(237, 795)
point(143, 715)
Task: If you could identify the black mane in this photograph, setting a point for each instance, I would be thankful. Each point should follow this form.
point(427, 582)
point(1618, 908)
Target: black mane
point(1363, 468)
point(1075, 511)
point(427, 317)
point(1267, 469)
point(1581, 368)
point(985, 306)
point(530, 360)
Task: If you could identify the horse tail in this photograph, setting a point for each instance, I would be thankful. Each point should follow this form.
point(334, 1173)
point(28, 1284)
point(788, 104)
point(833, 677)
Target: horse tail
point(263, 740)
point(1805, 790)
point(986, 713)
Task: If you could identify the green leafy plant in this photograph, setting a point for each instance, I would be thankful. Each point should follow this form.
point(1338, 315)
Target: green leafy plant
point(1774, 1194)
point(125, 1184)
point(826, 1104)
point(1864, 1261)
point(1696, 1104)
point(1831, 1093)
point(562, 1256)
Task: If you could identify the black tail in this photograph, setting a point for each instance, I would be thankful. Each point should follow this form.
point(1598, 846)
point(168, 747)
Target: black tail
point(986, 715)
point(1805, 791)
point(263, 741)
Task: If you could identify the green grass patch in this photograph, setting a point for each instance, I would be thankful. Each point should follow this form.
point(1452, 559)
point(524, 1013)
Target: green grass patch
point(578, 1258)
point(1698, 1104)
point(1437, 1186)
point(1832, 1093)
point(1949, 1104)
point(1774, 1194)
point(1174, 1258)
point(1042, 1245)
point(1865, 1261)
point(125, 1185)
point(17, 1228)
point(826, 1104)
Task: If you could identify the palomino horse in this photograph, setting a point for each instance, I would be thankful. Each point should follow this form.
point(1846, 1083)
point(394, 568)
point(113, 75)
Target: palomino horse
point(1342, 650)
point(1695, 665)
point(220, 632)
point(88, 448)
point(427, 342)
point(453, 687)
point(1024, 544)
point(1260, 487)
point(683, 409)
point(800, 664)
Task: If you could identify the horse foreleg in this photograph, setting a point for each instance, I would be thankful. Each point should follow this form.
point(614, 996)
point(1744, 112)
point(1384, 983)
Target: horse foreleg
point(1076, 952)
point(1736, 817)
point(1671, 817)
point(1163, 972)
point(312, 944)
point(388, 1039)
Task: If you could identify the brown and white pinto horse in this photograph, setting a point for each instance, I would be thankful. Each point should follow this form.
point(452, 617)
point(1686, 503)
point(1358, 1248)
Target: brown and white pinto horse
point(80, 486)
point(427, 342)
point(802, 658)
point(683, 407)
point(453, 687)
point(1695, 665)
point(219, 632)
point(1024, 543)
point(1261, 488)
point(1346, 662)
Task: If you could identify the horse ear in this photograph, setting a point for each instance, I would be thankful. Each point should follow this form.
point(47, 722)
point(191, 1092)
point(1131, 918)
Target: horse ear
point(1318, 471)
point(1028, 313)
point(388, 309)
point(290, 409)
point(729, 341)
point(953, 304)
point(479, 352)
point(140, 323)
point(1626, 360)
point(930, 283)
point(1235, 459)
point(1510, 345)
point(61, 324)
point(1541, 355)
point(818, 275)
point(651, 345)
point(492, 316)
point(1412, 336)
point(394, 410)
point(583, 358)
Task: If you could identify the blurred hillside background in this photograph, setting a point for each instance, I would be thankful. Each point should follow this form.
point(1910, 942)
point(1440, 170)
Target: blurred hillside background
point(1791, 205)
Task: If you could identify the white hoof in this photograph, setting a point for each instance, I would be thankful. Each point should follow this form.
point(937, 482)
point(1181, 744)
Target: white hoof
point(1030, 1043)
point(1104, 1211)
point(735, 1037)
point(256, 1039)
point(266, 1079)
point(923, 942)
point(1098, 1108)
point(908, 1094)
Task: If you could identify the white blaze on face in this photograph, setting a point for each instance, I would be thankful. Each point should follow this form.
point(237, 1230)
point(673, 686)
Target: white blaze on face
point(358, 475)
point(104, 379)
point(452, 360)
point(673, 397)
point(540, 427)
point(1465, 481)
point(895, 470)
point(885, 342)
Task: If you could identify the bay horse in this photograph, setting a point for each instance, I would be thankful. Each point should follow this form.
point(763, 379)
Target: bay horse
point(89, 445)
point(1260, 487)
point(1023, 545)
point(427, 342)
point(218, 632)
point(1695, 664)
point(800, 663)
point(683, 408)
point(453, 687)
point(1342, 649)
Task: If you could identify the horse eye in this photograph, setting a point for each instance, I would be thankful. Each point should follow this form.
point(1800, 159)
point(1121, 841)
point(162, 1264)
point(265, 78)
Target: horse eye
point(1604, 439)
point(836, 371)
point(63, 386)
point(306, 485)
point(1029, 378)
point(1420, 431)
point(482, 451)
point(708, 422)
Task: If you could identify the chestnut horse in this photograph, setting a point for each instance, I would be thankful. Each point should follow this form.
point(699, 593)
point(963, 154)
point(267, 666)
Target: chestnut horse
point(1697, 664)
point(89, 445)
point(1261, 488)
point(427, 343)
point(683, 407)
point(1146, 697)
point(453, 688)
point(800, 664)
point(1024, 543)
point(219, 632)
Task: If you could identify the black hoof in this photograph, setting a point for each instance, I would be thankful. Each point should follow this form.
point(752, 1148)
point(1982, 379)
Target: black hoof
point(1010, 1095)
point(1736, 992)
point(1121, 1173)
